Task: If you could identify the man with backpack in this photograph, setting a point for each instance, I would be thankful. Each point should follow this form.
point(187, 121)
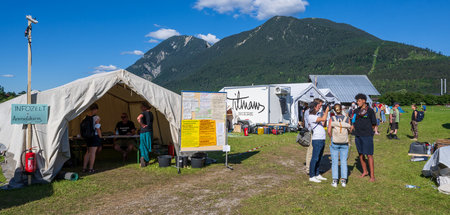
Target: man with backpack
point(394, 119)
point(339, 125)
point(416, 117)
point(91, 133)
point(363, 123)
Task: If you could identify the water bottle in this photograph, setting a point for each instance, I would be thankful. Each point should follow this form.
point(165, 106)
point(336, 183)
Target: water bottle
point(411, 186)
point(428, 150)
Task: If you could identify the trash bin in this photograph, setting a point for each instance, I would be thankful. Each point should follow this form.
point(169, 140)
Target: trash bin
point(164, 160)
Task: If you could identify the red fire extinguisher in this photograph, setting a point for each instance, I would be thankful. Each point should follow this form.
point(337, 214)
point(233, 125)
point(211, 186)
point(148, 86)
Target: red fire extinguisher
point(245, 131)
point(30, 161)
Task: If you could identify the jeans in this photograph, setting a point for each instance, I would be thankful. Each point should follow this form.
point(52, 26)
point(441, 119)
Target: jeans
point(335, 150)
point(383, 116)
point(318, 146)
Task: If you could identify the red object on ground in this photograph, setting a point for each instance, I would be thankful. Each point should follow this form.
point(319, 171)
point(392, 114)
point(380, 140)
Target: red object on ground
point(171, 150)
point(30, 162)
point(274, 131)
point(245, 131)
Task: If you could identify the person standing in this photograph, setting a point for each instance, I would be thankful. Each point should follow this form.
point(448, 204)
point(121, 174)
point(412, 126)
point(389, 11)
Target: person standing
point(145, 119)
point(339, 124)
point(309, 151)
point(378, 116)
point(91, 123)
point(394, 119)
point(414, 122)
point(317, 122)
point(383, 113)
point(364, 122)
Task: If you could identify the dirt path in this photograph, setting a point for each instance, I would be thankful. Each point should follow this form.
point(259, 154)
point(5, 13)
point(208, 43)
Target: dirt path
point(215, 191)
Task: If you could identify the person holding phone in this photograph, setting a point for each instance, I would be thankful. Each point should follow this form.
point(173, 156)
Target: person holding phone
point(316, 122)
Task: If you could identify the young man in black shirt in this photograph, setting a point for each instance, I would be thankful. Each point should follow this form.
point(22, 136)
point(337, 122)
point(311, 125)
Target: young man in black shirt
point(364, 121)
point(125, 127)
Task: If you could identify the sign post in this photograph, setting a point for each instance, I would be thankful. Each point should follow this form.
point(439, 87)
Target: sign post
point(203, 122)
point(28, 35)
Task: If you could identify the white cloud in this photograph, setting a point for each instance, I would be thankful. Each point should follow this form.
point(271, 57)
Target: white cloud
point(158, 26)
point(7, 76)
point(152, 41)
point(163, 33)
point(135, 52)
point(106, 68)
point(103, 68)
point(210, 38)
point(260, 9)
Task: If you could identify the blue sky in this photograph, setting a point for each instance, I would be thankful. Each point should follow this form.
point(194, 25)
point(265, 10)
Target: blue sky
point(73, 39)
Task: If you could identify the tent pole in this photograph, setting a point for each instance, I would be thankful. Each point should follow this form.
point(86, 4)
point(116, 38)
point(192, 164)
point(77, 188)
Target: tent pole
point(159, 127)
point(29, 90)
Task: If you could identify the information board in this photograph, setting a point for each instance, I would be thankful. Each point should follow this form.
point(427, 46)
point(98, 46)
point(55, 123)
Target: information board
point(203, 121)
point(29, 114)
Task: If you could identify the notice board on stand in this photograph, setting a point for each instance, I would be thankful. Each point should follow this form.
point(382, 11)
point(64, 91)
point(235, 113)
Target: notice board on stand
point(203, 121)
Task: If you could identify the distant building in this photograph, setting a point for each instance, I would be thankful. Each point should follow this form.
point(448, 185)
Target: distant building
point(345, 87)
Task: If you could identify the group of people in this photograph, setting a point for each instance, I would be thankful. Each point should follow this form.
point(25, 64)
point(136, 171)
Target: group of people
point(92, 134)
point(360, 120)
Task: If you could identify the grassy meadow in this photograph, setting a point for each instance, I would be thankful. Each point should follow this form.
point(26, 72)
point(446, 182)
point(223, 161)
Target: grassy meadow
point(270, 180)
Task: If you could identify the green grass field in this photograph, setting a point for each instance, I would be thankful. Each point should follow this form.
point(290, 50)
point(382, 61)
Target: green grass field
point(270, 180)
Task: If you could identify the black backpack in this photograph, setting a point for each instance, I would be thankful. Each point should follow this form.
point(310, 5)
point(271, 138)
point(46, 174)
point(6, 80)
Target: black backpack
point(87, 127)
point(420, 116)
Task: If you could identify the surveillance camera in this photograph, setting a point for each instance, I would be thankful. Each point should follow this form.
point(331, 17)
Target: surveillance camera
point(34, 21)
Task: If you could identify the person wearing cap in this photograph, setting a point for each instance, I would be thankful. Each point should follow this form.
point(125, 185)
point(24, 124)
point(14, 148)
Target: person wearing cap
point(306, 123)
point(316, 123)
point(394, 119)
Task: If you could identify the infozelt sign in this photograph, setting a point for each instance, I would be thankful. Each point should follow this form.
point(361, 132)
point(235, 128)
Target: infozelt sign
point(29, 114)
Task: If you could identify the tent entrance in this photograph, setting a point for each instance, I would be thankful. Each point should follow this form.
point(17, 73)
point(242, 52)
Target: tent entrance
point(121, 99)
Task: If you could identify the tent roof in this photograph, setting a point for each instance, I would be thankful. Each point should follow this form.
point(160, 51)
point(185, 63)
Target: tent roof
point(345, 87)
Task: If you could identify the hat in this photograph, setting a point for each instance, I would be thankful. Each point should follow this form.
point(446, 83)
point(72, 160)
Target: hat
point(396, 103)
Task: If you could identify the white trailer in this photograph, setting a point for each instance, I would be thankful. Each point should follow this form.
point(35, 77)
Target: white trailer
point(269, 104)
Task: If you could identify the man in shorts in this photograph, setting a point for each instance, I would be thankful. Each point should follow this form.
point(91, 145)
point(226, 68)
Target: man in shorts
point(394, 119)
point(364, 122)
point(125, 128)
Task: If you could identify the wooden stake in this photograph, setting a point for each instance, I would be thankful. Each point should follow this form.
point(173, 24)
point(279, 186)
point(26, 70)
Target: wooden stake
point(29, 93)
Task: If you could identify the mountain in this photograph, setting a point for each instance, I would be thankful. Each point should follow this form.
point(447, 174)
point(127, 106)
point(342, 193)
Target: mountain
point(287, 50)
point(166, 56)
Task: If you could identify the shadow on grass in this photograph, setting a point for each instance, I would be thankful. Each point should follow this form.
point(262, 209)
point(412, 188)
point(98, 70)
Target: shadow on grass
point(235, 158)
point(446, 125)
point(325, 164)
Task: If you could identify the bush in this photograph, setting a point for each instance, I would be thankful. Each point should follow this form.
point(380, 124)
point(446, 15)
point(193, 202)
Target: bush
point(408, 98)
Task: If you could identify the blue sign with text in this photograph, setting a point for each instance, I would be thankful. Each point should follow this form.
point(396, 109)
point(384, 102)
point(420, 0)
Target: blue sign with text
point(29, 114)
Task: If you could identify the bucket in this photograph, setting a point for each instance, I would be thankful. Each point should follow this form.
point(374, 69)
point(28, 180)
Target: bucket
point(164, 160)
point(260, 130)
point(197, 162)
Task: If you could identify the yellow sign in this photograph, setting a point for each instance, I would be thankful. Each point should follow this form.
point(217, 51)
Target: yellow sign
point(207, 133)
point(189, 133)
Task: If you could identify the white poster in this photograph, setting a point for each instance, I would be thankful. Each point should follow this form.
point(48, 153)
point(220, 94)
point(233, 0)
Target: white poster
point(249, 103)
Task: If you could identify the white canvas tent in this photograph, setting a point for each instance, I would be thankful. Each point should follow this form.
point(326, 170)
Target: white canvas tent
point(302, 93)
point(114, 92)
point(330, 96)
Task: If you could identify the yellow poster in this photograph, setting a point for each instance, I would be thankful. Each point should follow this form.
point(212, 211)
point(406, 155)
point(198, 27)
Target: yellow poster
point(190, 133)
point(207, 133)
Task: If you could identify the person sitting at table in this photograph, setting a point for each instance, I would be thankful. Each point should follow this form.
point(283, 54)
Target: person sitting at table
point(125, 145)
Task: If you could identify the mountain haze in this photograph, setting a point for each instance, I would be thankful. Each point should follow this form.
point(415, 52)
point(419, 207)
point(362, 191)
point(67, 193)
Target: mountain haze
point(287, 50)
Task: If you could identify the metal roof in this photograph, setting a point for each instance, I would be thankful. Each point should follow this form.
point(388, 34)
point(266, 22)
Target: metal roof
point(345, 87)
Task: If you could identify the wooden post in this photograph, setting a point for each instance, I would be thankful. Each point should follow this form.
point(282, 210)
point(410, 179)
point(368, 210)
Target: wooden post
point(29, 133)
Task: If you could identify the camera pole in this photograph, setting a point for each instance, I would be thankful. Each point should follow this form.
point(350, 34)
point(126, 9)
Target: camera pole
point(28, 35)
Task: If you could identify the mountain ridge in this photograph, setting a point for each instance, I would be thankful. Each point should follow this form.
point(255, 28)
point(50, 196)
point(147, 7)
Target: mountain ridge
point(287, 50)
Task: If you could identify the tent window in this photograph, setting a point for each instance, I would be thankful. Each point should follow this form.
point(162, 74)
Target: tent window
point(329, 94)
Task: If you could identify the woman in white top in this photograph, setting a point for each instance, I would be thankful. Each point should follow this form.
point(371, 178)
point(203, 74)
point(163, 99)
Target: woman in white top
point(318, 140)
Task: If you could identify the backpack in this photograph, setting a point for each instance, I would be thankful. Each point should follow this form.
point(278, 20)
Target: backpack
point(87, 127)
point(304, 137)
point(420, 116)
point(339, 130)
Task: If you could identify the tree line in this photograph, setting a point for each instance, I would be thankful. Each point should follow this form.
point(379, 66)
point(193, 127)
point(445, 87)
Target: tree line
point(408, 98)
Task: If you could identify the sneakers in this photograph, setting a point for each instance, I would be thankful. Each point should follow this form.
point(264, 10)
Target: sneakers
point(314, 179)
point(389, 136)
point(334, 183)
point(395, 137)
point(320, 177)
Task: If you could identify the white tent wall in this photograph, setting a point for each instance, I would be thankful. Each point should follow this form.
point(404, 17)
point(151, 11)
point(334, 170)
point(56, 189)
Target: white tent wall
point(66, 103)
